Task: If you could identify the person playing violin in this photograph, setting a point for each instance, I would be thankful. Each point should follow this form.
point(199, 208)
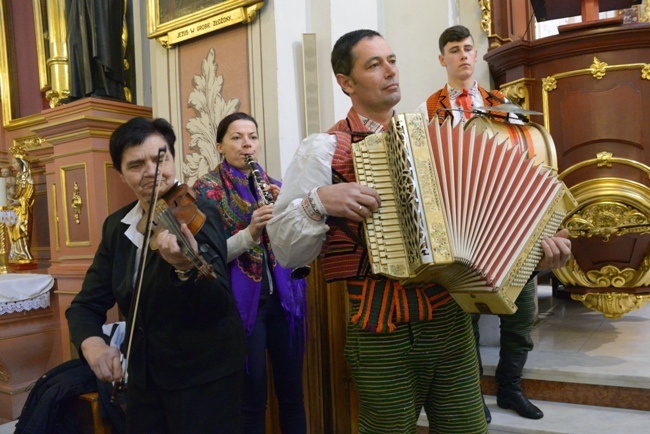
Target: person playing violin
point(271, 303)
point(187, 352)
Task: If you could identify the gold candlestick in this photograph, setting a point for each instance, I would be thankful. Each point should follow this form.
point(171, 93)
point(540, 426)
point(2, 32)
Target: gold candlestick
point(3, 247)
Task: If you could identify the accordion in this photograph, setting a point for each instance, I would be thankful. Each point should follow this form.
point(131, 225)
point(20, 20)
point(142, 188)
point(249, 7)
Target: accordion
point(459, 209)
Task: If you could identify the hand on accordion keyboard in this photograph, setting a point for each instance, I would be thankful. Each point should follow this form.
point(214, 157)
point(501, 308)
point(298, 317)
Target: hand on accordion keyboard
point(349, 200)
point(557, 251)
point(103, 359)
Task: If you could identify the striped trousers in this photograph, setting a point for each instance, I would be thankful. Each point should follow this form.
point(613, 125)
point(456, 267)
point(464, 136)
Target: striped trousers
point(425, 364)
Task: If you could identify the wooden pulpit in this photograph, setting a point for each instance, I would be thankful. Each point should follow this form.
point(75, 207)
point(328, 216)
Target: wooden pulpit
point(588, 9)
point(593, 86)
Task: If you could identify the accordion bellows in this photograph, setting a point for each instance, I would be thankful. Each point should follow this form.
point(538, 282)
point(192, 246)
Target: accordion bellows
point(459, 209)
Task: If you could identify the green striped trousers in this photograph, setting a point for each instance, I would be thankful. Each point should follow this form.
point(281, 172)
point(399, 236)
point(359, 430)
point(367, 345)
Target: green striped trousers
point(430, 364)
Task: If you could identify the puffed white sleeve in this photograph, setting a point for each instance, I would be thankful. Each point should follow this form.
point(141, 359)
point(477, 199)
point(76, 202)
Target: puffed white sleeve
point(297, 229)
point(239, 243)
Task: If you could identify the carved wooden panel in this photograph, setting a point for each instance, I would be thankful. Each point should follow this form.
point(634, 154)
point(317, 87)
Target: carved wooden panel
point(587, 116)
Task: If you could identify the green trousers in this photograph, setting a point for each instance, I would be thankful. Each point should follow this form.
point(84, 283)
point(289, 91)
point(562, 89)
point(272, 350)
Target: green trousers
point(426, 364)
point(515, 329)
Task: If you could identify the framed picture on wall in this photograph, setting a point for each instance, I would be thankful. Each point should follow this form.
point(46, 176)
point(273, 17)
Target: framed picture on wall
point(174, 21)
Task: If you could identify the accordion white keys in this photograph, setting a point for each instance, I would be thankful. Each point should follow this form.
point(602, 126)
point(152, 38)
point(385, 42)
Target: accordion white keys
point(459, 209)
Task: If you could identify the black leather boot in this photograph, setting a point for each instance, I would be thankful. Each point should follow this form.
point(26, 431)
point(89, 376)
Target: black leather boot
point(508, 378)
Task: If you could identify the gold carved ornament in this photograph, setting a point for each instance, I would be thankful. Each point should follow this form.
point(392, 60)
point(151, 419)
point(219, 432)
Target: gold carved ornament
point(76, 202)
point(486, 24)
point(517, 92)
point(486, 15)
point(613, 305)
point(606, 214)
point(645, 16)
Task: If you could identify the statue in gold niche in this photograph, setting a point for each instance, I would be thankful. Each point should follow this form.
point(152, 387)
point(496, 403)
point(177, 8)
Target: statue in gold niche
point(22, 203)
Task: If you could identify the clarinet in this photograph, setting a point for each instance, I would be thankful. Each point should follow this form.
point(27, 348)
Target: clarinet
point(266, 198)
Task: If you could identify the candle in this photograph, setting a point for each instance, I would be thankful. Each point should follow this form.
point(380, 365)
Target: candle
point(3, 192)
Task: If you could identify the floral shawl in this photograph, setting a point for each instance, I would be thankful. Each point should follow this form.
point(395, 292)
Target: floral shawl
point(229, 188)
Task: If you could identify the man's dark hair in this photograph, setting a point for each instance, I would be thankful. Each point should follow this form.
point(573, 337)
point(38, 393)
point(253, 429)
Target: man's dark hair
point(225, 123)
point(342, 57)
point(453, 34)
point(134, 132)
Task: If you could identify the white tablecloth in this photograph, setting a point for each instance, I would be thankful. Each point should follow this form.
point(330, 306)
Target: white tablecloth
point(25, 291)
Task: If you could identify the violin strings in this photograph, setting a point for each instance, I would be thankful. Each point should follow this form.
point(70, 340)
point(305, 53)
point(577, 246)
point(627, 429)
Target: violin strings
point(170, 223)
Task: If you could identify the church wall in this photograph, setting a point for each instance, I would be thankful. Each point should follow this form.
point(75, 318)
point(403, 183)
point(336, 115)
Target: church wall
point(275, 62)
point(405, 28)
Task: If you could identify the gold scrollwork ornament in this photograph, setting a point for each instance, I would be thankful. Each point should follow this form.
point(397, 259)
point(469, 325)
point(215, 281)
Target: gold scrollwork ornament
point(645, 16)
point(645, 72)
point(604, 159)
point(76, 202)
point(598, 69)
point(486, 15)
point(612, 304)
point(605, 219)
point(549, 83)
point(517, 93)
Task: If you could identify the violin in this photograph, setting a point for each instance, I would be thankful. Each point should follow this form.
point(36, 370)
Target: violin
point(175, 207)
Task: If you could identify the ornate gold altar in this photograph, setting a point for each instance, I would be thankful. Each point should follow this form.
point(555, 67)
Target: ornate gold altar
point(593, 86)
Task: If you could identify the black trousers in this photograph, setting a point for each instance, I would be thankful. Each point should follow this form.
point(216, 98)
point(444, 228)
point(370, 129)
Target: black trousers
point(212, 408)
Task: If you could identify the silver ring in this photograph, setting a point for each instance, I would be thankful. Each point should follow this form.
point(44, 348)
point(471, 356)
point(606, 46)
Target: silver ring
point(359, 210)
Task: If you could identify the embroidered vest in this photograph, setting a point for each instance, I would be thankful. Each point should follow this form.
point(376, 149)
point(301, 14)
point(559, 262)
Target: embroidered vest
point(441, 100)
point(377, 304)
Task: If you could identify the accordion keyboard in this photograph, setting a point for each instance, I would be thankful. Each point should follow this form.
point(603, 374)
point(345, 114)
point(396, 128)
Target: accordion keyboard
point(383, 235)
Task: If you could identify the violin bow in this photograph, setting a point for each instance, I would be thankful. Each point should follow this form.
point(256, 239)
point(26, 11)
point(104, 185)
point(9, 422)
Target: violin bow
point(143, 257)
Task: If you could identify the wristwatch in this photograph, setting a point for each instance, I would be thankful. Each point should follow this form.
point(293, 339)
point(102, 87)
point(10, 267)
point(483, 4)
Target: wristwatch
point(183, 274)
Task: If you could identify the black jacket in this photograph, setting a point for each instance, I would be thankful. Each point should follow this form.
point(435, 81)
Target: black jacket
point(45, 411)
point(186, 334)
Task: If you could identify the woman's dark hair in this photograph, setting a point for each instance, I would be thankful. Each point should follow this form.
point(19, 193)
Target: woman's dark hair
point(225, 123)
point(134, 132)
point(453, 34)
point(342, 57)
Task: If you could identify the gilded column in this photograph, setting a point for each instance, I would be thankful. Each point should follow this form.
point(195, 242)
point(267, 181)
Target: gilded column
point(58, 61)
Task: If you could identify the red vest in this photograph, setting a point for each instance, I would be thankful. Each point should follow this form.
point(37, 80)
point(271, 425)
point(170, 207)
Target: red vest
point(439, 103)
